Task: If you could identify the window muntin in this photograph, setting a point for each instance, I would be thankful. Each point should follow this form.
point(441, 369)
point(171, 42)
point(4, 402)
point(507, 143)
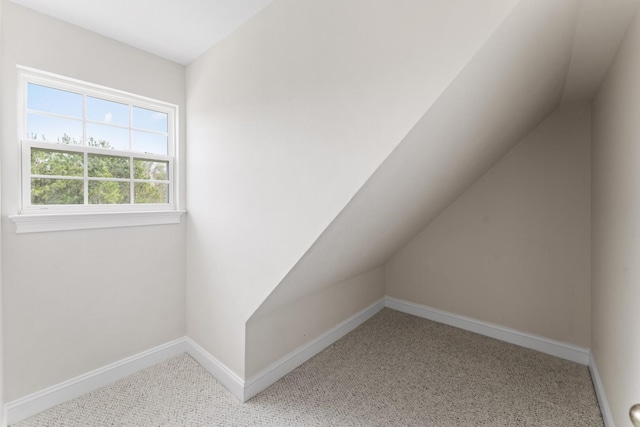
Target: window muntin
point(89, 148)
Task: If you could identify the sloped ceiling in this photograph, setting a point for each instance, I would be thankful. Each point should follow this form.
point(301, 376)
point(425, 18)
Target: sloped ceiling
point(600, 28)
point(287, 119)
point(516, 79)
point(182, 31)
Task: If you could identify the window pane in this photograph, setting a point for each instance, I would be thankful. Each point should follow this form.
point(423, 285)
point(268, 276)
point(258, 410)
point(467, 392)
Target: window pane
point(54, 129)
point(51, 100)
point(150, 120)
point(109, 192)
point(109, 112)
point(107, 137)
point(45, 191)
point(151, 192)
point(108, 166)
point(60, 163)
point(146, 169)
point(146, 142)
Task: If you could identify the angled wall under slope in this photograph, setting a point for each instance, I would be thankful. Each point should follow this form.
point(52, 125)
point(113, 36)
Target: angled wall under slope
point(514, 249)
point(508, 87)
point(599, 31)
point(288, 118)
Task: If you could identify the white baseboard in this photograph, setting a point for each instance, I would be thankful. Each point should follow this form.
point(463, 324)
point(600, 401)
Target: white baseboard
point(219, 370)
point(605, 409)
point(291, 361)
point(35, 403)
point(32, 404)
point(534, 342)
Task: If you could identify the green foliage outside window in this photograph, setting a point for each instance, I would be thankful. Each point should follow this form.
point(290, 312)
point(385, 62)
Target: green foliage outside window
point(60, 191)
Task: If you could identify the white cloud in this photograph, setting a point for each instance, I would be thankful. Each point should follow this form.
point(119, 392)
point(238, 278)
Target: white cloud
point(108, 117)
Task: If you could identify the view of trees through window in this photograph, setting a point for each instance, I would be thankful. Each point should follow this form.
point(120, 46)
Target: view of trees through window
point(58, 176)
point(85, 145)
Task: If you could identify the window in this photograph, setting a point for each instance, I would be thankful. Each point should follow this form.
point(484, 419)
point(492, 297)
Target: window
point(90, 149)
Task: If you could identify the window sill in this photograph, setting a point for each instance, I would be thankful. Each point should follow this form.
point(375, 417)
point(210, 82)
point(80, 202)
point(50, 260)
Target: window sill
point(36, 223)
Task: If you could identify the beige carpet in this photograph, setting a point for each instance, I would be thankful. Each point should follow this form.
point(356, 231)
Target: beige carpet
point(395, 370)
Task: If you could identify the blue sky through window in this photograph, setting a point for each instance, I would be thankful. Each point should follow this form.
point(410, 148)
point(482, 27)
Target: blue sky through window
point(146, 142)
point(118, 138)
point(50, 100)
point(110, 114)
point(49, 128)
point(149, 120)
point(101, 110)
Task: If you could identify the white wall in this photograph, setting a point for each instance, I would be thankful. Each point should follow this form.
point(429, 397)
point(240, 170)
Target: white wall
point(274, 334)
point(514, 249)
point(616, 228)
point(76, 301)
point(2, 421)
point(474, 122)
point(288, 117)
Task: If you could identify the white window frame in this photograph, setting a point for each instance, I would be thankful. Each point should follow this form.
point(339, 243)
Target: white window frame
point(33, 218)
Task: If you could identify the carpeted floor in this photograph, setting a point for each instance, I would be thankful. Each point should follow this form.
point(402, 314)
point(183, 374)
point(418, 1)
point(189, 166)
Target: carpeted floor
point(395, 369)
